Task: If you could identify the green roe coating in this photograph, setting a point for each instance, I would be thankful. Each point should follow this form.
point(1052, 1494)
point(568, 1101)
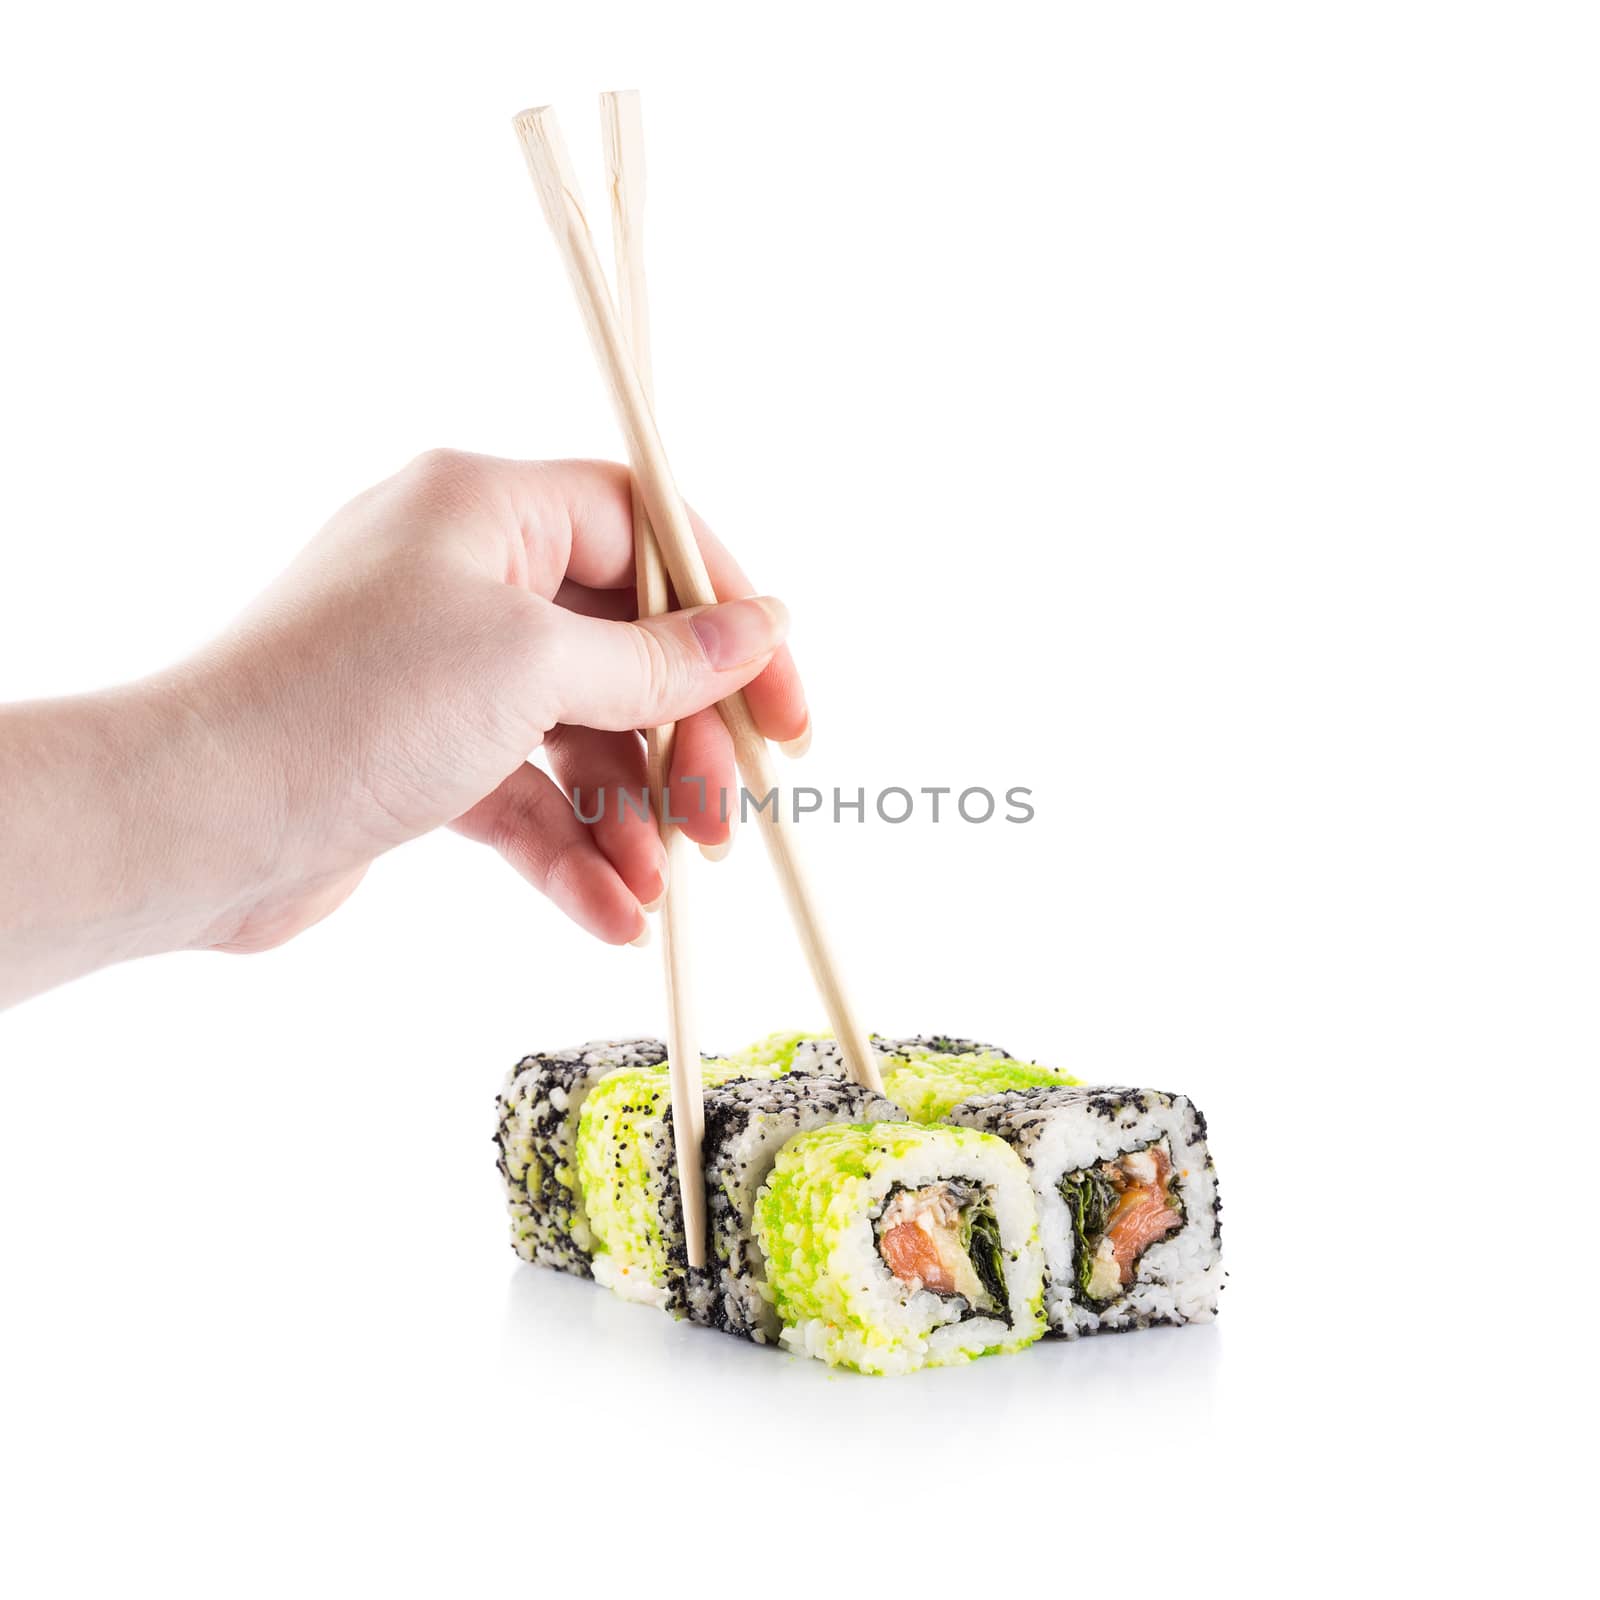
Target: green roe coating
point(616, 1129)
point(808, 1219)
point(772, 1056)
point(928, 1086)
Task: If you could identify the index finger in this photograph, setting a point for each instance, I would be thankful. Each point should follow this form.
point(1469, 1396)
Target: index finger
point(776, 697)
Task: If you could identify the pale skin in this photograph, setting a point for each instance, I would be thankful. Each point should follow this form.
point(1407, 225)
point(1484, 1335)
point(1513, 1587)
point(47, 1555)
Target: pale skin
point(445, 625)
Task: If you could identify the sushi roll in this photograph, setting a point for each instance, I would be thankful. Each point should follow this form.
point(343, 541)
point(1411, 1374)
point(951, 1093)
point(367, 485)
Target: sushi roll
point(538, 1123)
point(1128, 1207)
point(927, 1075)
point(779, 1050)
point(626, 1162)
point(819, 1052)
point(748, 1122)
point(927, 1080)
point(892, 1246)
point(940, 1044)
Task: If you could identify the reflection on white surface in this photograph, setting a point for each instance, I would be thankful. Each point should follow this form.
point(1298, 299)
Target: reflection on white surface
point(563, 1327)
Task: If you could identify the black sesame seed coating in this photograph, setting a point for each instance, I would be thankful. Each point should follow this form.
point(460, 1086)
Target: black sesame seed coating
point(537, 1117)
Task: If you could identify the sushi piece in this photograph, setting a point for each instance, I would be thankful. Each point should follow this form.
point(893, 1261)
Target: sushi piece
point(1128, 1207)
point(779, 1050)
point(942, 1044)
point(748, 1122)
point(928, 1075)
point(537, 1132)
point(626, 1161)
point(819, 1052)
point(626, 1164)
point(928, 1081)
point(892, 1247)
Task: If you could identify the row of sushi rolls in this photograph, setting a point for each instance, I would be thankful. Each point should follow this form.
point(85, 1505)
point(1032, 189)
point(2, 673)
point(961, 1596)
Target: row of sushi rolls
point(980, 1203)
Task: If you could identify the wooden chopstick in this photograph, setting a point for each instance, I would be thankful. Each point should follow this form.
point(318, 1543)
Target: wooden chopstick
point(622, 133)
point(551, 169)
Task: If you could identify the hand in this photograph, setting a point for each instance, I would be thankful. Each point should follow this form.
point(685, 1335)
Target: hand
point(443, 626)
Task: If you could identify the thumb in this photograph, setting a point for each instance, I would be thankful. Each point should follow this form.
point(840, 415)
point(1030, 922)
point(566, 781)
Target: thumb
point(620, 675)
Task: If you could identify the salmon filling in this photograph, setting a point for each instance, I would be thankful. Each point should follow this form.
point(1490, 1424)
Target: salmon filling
point(1119, 1209)
point(944, 1238)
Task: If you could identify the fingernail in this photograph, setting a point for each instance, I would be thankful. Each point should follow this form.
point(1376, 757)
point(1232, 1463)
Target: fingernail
point(643, 938)
point(730, 815)
point(740, 631)
point(796, 747)
point(658, 899)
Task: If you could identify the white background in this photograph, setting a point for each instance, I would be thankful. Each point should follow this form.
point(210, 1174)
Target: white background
point(1186, 412)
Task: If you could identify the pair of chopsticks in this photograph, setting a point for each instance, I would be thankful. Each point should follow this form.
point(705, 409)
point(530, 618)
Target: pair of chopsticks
point(663, 536)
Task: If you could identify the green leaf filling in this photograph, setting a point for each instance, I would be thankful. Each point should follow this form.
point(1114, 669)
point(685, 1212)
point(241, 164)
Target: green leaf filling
point(981, 1239)
point(1090, 1200)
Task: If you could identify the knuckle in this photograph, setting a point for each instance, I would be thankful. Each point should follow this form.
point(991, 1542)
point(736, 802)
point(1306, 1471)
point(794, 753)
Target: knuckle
point(506, 837)
point(525, 662)
point(661, 668)
point(447, 477)
point(563, 870)
point(514, 828)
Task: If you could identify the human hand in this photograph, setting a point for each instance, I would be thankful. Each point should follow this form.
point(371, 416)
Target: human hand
point(443, 626)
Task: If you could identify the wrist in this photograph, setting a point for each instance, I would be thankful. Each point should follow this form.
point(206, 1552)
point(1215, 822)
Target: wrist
point(131, 826)
point(208, 818)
